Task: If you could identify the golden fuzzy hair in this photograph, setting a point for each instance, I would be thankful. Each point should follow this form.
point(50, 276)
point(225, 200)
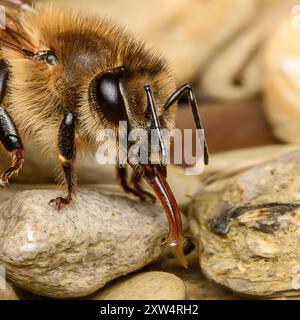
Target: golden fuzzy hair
point(85, 46)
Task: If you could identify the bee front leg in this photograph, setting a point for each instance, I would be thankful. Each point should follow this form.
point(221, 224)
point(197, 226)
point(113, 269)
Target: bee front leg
point(134, 186)
point(136, 180)
point(67, 155)
point(10, 139)
point(122, 176)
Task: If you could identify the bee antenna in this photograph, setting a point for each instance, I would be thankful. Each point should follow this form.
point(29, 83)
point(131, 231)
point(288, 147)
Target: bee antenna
point(155, 122)
point(175, 97)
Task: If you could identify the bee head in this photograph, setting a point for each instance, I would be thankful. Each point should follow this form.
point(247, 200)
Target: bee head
point(117, 95)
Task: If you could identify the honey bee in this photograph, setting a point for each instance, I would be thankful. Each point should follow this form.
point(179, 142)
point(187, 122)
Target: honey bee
point(64, 76)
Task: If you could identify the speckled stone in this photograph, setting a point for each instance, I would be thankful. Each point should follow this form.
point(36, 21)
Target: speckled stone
point(145, 286)
point(75, 252)
point(248, 229)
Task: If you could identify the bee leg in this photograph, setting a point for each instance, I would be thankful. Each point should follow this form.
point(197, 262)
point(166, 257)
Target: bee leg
point(67, 155)
point(136, 180)
point(122, 176)
point(187, 89)
point(10, 139)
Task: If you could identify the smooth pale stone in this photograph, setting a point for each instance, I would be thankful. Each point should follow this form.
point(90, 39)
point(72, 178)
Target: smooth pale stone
point(7, 292)
point(226, 164)
point(198, 287)
point(145, 286)
point(236, 71)
point(248, 157)
point(281, 77)
point(248, 227)
point(183, 186)
point(75, 252)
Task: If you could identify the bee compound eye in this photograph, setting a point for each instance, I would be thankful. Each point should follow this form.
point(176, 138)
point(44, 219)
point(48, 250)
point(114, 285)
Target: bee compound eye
point(47, 56)
point(50, 59)
point(108, 91)
point(107, 97)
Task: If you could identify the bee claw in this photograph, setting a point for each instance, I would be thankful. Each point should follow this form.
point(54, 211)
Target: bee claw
point(58, 203)
point(152, 199)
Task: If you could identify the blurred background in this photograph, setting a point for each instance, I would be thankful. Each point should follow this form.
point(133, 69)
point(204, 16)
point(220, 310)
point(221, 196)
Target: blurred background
point(241, 56)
